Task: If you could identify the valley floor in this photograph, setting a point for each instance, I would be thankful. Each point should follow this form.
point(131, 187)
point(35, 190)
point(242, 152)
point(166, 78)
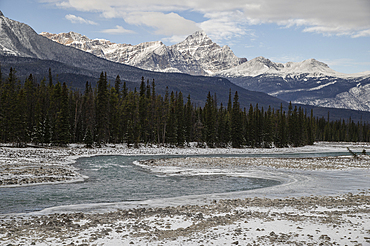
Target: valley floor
point(322, 200)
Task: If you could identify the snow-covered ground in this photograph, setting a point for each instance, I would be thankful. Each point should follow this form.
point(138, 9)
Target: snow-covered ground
point(321, 205)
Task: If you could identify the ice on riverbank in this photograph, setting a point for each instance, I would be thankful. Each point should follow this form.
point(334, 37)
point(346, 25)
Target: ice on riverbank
point(312, 206)
point(310, 220)
point(22, 166)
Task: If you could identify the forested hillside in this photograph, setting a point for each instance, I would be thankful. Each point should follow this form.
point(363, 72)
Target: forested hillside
point(47, 112)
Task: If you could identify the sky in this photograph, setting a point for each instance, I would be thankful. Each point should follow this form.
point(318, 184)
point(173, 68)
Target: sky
point(336, 32)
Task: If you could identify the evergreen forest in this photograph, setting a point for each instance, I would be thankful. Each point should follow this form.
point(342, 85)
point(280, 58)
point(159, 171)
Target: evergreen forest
point(49, 113)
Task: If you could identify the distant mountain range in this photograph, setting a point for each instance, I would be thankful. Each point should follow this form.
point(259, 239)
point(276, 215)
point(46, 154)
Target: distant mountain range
point(22, 48)
point(196, 55)
point(308, 82)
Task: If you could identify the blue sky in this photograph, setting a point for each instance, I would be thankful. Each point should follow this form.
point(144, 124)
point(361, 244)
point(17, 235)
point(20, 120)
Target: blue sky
point(336, 32)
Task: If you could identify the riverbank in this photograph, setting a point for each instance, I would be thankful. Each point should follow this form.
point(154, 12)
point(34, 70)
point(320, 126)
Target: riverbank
point(264, 216)
point(32, 166)
point(338, 220)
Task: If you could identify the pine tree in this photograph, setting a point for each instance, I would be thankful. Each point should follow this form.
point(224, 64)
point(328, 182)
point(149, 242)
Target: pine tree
point(268, 129)
point(88, 139)
point(189, 122)
point(1, 78)
point(210, 121)
point(114, 116)
point(55, 105)
point(143, 110)
point(236, 124)
point(50, 78)
point(62, 127)
point(117, 86)
point(8, 103)
point(20, 120)
point(223, 130)
point(171, 129)
point(180, 120)
point(124, 90)
point(88, 114)
point(198, 128)
point(250, 128)
point(30, 101)
point(102, 111)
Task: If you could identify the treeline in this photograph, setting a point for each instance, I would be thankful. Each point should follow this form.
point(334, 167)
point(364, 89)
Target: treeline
point(48, 113)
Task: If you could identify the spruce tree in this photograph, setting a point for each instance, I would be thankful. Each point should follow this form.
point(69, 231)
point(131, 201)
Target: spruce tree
point(20, 120)
point(50, 78)
point(210, 121)
point(171, 128)
point(236, 124)
point(180, 120)
point(62, 127)
point(117, 86)
point(114, 116)
point(102, 111)
point(189, 124)
point(8, 103)
point(1, 78)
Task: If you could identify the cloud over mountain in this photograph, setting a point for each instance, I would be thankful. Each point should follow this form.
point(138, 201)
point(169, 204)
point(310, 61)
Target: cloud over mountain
point(169, 17)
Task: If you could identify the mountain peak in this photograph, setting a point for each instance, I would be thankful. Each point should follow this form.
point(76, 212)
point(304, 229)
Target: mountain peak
point(198, 38)
point(1, 14)
point(200, 33)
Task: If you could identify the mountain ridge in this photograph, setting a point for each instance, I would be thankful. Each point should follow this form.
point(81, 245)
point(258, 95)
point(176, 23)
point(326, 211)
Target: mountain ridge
point(33, 53)
point(192, 47)
point(41, 53)
point(196, 55)
point(309, 82)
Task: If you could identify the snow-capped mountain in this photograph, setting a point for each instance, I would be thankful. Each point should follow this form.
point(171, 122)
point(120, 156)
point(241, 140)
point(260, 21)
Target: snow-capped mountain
point(28, 52)
point(20, 40)
point(308, 82)
point(261, 65)
point(210, 55)
point(357, 98)
point(153, 56)
point(196, 55)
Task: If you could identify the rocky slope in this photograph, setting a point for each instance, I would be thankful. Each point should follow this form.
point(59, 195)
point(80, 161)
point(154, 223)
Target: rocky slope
point(208, 54)
point(197, 55)
point(308, 82)
point(22, 48)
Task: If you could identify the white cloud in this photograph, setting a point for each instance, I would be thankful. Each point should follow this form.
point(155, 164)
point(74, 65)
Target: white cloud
point(364, 33)
point(225, 19)
point(224, 25)
point(77, 19)
point(175, 39)
point(117, 30)
point(170, 24)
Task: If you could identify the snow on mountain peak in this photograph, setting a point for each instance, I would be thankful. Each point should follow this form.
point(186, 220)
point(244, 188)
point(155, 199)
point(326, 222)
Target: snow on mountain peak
point(199, 37)
point(208, 54)
point(193, 42)
point(310, 66)
point(261, 65)
point(197, 54)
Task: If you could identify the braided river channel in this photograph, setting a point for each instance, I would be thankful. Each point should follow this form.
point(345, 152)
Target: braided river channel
point(114, 179)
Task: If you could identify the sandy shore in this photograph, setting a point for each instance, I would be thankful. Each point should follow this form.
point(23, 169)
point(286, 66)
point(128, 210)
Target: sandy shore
point(342, 219)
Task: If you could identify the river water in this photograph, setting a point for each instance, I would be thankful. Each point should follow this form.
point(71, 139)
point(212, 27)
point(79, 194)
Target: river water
point(114, 179)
